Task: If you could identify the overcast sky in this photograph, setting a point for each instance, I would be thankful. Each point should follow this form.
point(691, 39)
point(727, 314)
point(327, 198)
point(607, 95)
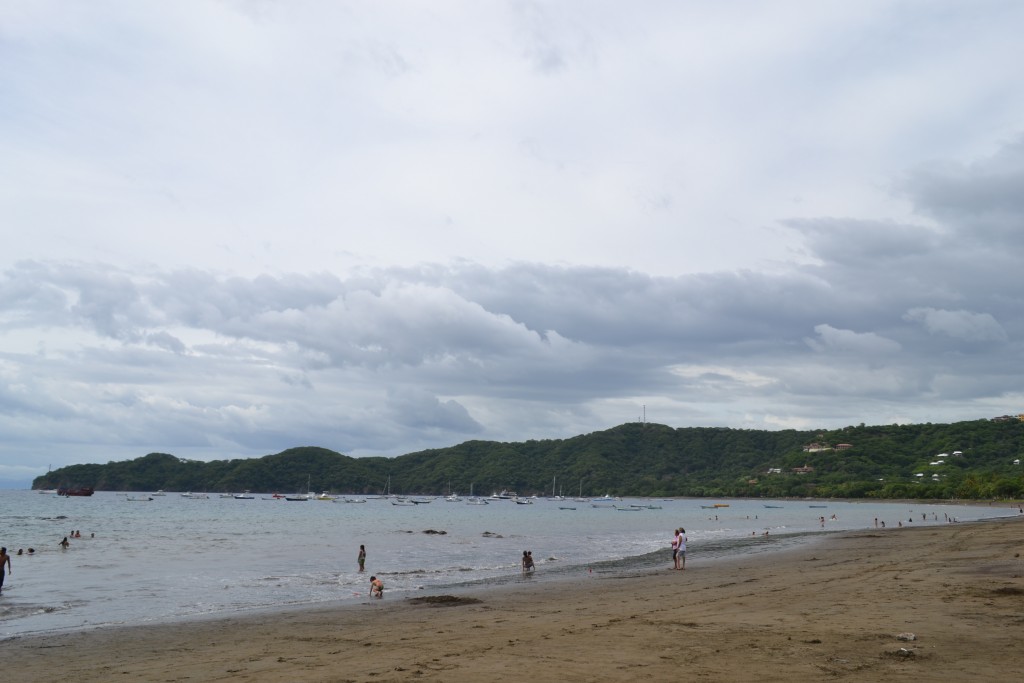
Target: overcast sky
point(229, 228)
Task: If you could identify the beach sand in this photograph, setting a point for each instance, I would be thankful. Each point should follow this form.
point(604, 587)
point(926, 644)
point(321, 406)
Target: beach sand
point(831, 611)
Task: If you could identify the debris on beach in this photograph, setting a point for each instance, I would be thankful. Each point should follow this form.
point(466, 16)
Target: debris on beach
point(444, 600)
point(906, 636)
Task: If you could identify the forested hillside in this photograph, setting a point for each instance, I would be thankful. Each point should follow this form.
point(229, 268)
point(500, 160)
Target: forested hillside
point(962, 460)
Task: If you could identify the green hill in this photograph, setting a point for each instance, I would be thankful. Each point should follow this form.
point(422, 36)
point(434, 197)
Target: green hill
point(638, 459)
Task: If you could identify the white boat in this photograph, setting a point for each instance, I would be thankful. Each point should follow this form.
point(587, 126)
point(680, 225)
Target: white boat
point(159, 493)
point(473, 500)
point(504, 495)
point(308, 495)
point(606, 498)
point(553, 495)
point(244, 496)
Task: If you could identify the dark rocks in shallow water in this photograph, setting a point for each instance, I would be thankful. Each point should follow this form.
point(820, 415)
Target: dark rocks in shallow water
point(434, 531)
point(491, 534)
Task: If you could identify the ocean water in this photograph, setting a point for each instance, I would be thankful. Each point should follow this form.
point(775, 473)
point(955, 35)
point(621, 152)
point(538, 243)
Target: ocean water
point(174, 558)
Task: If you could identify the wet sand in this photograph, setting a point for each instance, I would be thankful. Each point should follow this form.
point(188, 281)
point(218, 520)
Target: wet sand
point(831, 611)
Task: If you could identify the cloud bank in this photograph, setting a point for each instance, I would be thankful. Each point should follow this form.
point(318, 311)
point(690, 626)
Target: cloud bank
point(231, 228)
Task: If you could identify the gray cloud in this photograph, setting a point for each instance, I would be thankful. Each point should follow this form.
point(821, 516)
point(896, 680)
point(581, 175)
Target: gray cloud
point(962, 325)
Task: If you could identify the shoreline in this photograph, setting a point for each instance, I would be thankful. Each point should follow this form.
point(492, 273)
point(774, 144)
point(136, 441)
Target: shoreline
point(833, 607)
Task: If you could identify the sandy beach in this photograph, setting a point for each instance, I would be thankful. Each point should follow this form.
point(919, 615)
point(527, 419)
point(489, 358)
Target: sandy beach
point(834, 610)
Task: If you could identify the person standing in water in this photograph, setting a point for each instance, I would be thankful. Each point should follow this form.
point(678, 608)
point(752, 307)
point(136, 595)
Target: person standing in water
point(5, 564)
point(362, 558)
point(527, 561)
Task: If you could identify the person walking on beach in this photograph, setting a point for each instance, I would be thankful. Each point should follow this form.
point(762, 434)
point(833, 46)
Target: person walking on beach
point(362, 558)
point(5, 564)
point(376, 587)
point(675, 549)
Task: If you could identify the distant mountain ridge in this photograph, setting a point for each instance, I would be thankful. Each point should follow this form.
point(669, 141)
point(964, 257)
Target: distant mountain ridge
point(638, 459)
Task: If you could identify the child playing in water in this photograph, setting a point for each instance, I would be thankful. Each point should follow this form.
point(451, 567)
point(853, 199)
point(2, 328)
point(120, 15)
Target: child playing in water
point(376, 587)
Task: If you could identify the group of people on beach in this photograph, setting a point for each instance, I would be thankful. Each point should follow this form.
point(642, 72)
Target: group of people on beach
point(376, 585)
point(5, 558)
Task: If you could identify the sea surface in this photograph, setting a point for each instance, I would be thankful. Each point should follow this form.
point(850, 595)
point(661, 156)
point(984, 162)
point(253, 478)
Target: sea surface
point(149, 559)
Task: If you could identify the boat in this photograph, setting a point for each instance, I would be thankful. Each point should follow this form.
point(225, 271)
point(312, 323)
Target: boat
point(817, 506)
point(308, 495)
point(133, 499)
point(622, 508)
point(326, 496)
point(75, 491)
point(158, 493)
point(473, 500)
point(720, 505)
point(349, 500)
point(504, 495)
point(48, 491)
point(553, 495)
point(606, 498)
point(565, 507)
point(453, 496)
point(244, 496)
point(403, 502)
point(419, 501)
point(523, 501)
point(773, 506)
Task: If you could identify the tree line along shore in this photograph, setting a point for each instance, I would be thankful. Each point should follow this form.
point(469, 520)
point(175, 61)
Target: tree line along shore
point(971, 460)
